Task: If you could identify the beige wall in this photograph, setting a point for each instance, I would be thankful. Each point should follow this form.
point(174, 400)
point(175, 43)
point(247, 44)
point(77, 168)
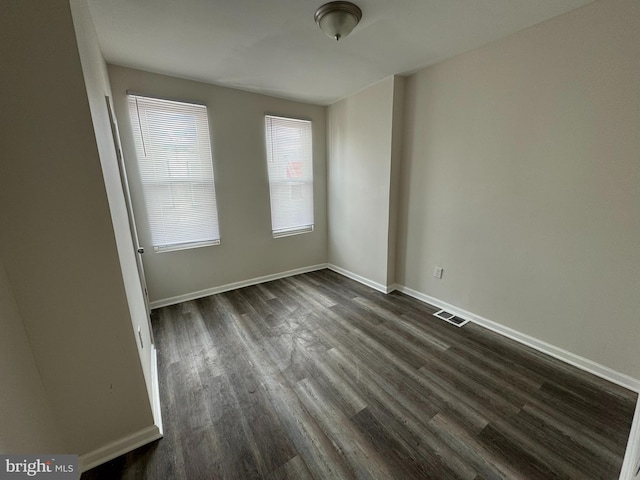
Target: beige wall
point(521, 174)
point(247, 249)
point(57, 241)
point(360, 131)
point(27, 423)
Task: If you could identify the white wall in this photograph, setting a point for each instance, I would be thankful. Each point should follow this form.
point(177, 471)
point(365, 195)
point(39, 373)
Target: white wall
point(361, 150)
point(247, 249)
point(97, 85)
point(521, 177)
point(27, 423)
point(57, 241)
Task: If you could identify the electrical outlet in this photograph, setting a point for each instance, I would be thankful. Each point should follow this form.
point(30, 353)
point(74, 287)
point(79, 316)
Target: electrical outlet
point(437, 272)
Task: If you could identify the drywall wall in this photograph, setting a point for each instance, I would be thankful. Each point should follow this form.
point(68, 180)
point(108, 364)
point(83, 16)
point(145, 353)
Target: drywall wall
point(247, 249)
point(520, 177)
point(97, 85)
point(27, 423)
point(57, 240)
point(360, 129)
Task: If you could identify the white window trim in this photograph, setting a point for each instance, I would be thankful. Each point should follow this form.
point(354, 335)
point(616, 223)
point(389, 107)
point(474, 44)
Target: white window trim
point(184, 246)
point(292, 231)
point(298, 229)
point(141, 148)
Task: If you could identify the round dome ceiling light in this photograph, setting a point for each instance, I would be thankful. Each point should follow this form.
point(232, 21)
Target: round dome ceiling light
point(338, 19)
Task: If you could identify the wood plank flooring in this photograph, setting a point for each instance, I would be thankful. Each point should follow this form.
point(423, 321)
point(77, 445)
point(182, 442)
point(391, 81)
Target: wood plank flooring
point(318, 377)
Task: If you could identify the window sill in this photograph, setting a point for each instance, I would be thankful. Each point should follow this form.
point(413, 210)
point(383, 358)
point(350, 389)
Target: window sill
point(185, 246)
point(295, 231)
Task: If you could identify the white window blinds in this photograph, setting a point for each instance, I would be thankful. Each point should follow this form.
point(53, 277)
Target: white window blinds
point(290, 167)
point(176, 170)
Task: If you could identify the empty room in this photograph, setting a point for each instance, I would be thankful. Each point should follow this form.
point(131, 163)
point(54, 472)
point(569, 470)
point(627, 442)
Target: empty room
point(306, 240)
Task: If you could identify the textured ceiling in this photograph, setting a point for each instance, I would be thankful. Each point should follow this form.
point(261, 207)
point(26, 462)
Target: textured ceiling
point(274, 46)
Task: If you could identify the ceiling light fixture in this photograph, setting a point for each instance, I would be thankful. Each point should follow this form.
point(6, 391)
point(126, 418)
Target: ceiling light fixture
point(338, 19)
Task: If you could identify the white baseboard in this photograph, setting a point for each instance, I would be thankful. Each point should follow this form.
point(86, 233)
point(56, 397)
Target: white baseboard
point(544, 347)
point(358, 278)
point(119, 447)
point(631, 461)
point(232, 286)
point(135, 440)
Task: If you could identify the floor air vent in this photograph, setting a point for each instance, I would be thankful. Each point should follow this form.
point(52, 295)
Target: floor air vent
point(451, 318)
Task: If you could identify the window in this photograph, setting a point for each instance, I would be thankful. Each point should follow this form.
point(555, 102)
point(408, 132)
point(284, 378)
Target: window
point(174, 157)
point(290, 166)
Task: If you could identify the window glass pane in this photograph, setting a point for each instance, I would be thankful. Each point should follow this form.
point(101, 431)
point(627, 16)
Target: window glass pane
point(290, 168)
point(175, 162)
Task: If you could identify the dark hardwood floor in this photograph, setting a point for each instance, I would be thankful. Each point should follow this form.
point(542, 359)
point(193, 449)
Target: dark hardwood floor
point(318, 377)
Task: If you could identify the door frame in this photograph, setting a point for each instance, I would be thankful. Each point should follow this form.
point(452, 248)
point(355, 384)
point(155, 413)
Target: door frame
point(138, 248)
